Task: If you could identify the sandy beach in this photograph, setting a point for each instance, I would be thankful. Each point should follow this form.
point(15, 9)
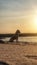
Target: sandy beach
point(18, 54)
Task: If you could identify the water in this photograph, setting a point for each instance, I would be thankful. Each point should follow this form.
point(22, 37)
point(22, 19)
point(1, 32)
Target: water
point(28, 39)
point(24, 39)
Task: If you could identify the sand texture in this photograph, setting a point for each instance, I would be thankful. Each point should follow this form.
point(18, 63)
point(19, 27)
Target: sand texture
point(18, 54)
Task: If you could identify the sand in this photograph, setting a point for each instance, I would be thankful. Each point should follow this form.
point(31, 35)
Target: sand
point(18, 54)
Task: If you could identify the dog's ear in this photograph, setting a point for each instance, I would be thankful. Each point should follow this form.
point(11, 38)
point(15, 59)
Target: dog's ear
point(17, 32)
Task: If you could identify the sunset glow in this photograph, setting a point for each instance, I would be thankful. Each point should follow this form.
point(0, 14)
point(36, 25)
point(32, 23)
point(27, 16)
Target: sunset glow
point(19, 14)
point(35, 22)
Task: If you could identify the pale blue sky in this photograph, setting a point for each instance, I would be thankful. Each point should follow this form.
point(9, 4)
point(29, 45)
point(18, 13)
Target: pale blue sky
point(17, 14)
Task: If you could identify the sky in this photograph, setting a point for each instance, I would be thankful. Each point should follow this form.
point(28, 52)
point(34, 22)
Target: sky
point(18, 14)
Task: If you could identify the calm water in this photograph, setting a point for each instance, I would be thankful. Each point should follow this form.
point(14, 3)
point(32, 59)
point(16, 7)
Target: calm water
point(25, 39)
point(28, 39)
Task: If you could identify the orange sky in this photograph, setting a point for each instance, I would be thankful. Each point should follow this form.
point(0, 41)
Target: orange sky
point(19, 14)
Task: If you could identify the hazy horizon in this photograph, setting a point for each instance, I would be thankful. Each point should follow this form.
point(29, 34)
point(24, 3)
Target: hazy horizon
point(18, 14)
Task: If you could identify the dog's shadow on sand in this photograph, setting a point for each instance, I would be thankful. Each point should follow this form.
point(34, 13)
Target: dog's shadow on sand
point(3, 63)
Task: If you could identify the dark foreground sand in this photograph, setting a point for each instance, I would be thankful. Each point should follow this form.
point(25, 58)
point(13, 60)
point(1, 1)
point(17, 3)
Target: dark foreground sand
point(18, 54)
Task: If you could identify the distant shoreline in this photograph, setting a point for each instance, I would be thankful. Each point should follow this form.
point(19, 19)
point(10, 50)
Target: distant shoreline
point(20, 35)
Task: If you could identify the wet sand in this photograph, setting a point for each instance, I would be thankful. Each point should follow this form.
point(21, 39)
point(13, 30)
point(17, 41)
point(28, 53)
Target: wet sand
point(18, 53)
